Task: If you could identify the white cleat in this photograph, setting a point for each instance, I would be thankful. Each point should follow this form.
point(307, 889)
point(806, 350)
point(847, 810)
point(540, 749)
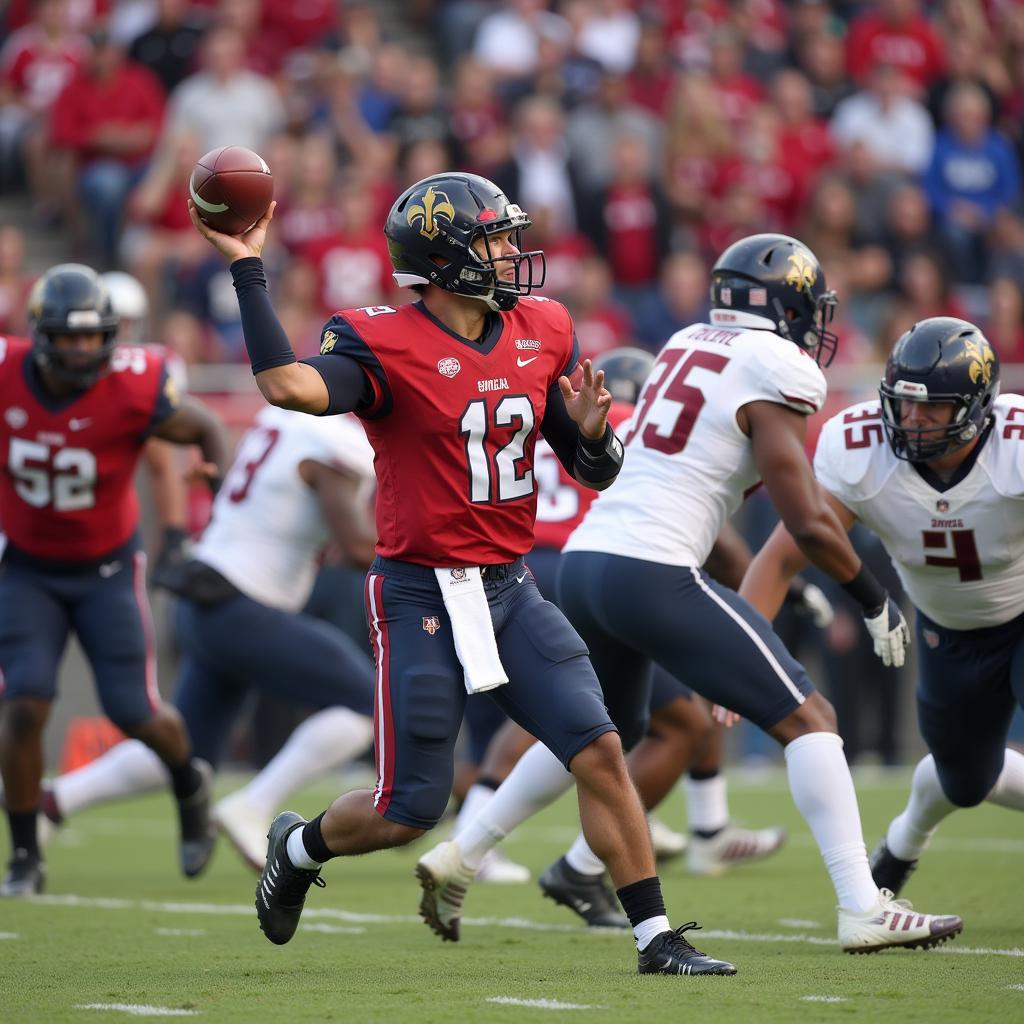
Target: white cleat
point(732, 846)
point(245, 826)
point(893, 923)
point(444, 880)
point(667, 844)
point(497, 869)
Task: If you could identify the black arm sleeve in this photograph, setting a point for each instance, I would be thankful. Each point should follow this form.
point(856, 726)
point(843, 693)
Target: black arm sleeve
point(267, 344)
point(559, 430)
point(593, 463)
point(347, 384)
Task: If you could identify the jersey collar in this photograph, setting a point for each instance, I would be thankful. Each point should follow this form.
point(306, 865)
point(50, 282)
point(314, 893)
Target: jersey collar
point(933, 480)
point(34, 382)
point(494, 325)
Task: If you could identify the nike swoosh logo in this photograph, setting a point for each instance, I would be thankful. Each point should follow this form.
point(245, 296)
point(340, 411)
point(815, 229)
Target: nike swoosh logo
point(108, 569)
point(520, 361)
point(519, 579)
point(81, 424)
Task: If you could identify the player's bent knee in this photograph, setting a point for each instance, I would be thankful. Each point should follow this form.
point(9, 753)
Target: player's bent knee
point(966, 788)
point(815, 715)
point(24, 717)
point(394, 833)
point(601, 756)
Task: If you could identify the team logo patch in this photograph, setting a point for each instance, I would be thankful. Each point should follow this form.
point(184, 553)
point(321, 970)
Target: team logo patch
point(458, 575)
point(982, 359)
point(431, 624)
point(327, 342)
point(529, 344)
point(448, 367)
point(430, 211)
point(16, 417)
point(931, 638)
point(801, 275)
point(726, 296)
point(942, 505)
point(757, 297)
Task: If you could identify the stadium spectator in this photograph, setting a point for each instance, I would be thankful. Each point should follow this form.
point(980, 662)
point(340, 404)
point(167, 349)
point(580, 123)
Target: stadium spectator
point(15, 281)
point(972, 175)
point(610, 34)
point(651, 78)
point(601, 323)
point(738, 91)
point(475, 110)
point(803, 135)
point(681, 299)
point(300, 307)
point(108, 117)
point(896, 33)
point(169, 47)
point(926, 287)
point(822, 59)
point(308, 211)
point(564, 252)
point(507, 39)
point(420, 113)
point(1005, 325)
point(908, 227)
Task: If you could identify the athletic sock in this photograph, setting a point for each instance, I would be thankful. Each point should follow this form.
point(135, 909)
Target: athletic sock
point(124, 770)
point(707, 803)
point(478, 797)
point(306, 848)
point(536, 781)
point(582, 859)
point(185, 779)
point(910, 832)
point(326, 739)
point(822, 788)
point(645, 907)
point(24, 834)
point(1009, 788)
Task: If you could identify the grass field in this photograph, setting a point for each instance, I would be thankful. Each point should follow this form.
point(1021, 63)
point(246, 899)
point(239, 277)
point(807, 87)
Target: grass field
point(117, 926)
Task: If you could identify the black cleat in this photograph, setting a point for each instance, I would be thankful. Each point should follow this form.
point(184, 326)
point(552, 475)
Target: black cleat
point(26, 875)
point(281, 890)
point(588, 895)
point(888, 871)
point(670, 953)
point(197, 832)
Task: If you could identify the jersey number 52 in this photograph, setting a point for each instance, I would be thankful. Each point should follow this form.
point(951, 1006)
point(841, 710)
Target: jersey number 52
point(65, 478)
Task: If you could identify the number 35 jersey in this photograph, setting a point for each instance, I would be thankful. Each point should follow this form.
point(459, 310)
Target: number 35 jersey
point(959, 551)
point(66, 465)
point(688, 465)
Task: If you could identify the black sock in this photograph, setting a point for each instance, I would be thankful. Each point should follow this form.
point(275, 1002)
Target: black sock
point(185, 780)
point(23, 831)
point(706, 833)
point(699, 776)
point(313, 840)
point(642, 900)
point(488, 782)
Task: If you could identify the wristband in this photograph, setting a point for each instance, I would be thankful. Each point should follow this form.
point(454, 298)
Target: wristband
point(598, 461)
point(866, 591)
point(267, 344)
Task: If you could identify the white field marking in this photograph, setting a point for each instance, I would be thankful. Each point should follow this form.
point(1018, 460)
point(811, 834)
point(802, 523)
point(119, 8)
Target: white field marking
point(799, 922)
point(1016, 988)
point(180, 932)
point(139, 1009)
point(333, 929)
point(823, 999)
point(8, 935)
point(974, 845)
point(354, 917)
point(542, 1004)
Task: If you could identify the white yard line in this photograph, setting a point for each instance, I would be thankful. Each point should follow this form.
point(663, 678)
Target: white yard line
point(542, 1004)
point(176, 933)
point(823, 999)
point(8, 935)
point(138, 1009)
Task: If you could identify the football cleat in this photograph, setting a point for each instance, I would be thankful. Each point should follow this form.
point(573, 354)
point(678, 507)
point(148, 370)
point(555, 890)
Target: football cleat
point(589, 896)
point(245, 827)
point(888, 871)
point(731, 846)
point(197, 834)
point(26, 875)
point(894, 923)
point(667, 845)
point(281, 890)
point(444, 880)
point(670, 953)
point(497, 869)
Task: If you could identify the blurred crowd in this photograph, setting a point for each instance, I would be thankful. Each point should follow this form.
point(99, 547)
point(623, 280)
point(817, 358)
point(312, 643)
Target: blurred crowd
point(642, 136)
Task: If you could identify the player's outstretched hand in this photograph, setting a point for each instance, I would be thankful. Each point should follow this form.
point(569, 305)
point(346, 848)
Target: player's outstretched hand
point(588, 407)
point(234, 247)
point(724, 716)
point(890, 633)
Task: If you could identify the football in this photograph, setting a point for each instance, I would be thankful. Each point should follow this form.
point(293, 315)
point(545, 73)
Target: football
point(232, 187)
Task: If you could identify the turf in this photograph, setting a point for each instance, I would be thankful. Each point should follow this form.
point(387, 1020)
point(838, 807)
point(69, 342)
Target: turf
point(119, 927)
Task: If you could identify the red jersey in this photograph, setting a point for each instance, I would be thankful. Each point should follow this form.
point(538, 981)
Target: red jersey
point(66, 465)
point(562, 501)
point(454, 424)
point(915, 47)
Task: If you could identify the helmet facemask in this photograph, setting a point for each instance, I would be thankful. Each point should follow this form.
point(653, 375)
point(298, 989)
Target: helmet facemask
point(481, 277)
point(922, 444)
point(810, 330)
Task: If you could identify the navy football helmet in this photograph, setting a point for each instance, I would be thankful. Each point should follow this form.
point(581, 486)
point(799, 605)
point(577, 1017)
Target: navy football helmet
point(431, 229)
point(941, 359)
point(778, 280)
point(625, 372)
point(71, 299)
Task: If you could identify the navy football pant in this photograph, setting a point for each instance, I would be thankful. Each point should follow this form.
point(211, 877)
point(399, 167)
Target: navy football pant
point(233, 648)
point(969, 684)
point(420, 690)
point(631, 612)
point(105, 605)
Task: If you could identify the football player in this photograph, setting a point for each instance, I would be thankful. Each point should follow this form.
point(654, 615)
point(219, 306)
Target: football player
point(725, 407)
point(453, 390)
point(296, 481)
point(77, 411)
point(935, 468)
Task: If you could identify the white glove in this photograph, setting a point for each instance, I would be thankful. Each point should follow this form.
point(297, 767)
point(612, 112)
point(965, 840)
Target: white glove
point(890, 634)
point(816, 606)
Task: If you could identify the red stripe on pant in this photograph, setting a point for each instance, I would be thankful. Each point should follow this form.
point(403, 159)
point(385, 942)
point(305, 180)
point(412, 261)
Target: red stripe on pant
point(146, 617)
point(383, 723)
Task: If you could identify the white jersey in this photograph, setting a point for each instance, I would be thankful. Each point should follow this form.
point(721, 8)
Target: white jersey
point(267, 528)
point(688, 465)
point(959, 552)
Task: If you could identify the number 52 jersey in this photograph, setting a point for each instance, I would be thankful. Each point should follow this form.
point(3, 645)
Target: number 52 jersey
point(688, 465)
point(959, 549)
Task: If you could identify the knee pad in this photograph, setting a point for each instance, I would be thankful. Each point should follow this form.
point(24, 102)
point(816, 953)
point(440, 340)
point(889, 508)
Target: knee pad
point(966, 785)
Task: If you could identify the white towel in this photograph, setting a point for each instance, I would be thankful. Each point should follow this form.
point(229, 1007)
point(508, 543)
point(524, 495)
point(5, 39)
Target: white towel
point(466, 603)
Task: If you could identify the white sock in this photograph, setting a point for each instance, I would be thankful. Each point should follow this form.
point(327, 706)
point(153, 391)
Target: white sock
point(1009, 788)
point(323, 741)
point(707, 803)
point(910, 832)
point(822, 788)
point(650, 929)
point(536, 781)
point(476, 800)
point(297, 852)
point(580, 857)
point(127, 769)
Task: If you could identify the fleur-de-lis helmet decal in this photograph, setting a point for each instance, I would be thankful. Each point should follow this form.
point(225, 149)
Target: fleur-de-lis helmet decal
point(982, 358)
point(430, 211)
